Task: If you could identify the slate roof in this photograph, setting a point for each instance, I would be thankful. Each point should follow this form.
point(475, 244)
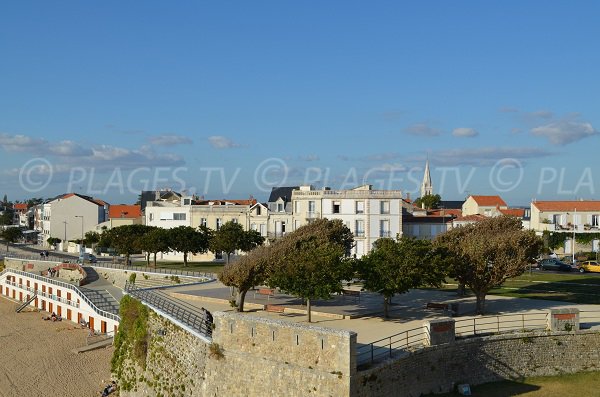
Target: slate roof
point(285, 192)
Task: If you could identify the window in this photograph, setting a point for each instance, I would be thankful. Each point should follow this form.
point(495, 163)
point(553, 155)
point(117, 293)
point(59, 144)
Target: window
point(360, 207)
point(384, 207)
point(279, 207)
point(253, 227)
point(336, 207)
point(258, 210)
point(219, 223)
point(595, 220)
point(384, 228)
point(311, 206)
point(187, 201)
point(234, 220)
point(359, 228)
point(179, 216)
point(296, 206)
point(263, 229)
point(151, 216)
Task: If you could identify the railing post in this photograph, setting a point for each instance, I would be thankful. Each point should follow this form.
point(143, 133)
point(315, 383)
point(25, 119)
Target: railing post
point(390, 341)
point(474, 327)
point(498, 322)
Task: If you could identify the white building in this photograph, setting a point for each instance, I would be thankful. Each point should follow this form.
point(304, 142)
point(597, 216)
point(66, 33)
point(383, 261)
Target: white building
point(369, 214)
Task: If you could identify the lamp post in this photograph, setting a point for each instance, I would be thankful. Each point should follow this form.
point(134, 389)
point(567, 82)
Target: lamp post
point(574, 228)
point(65, 239)
point(81, 250)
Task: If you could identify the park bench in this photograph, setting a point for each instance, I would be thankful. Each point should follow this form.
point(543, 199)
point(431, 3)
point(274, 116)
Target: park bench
point(268, 292)
point(351, 292)
point(437, 306)
point(275, 308)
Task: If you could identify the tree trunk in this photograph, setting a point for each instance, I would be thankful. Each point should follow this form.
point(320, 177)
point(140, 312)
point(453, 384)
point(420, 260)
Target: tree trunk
point(185, 259)
point(127, 263)
point(480, 306)
point(460, 291)
point(308, 313)
point(148, 259)
point(386, 306)
point(240, 300)
point(155, 259)
point(227, 260)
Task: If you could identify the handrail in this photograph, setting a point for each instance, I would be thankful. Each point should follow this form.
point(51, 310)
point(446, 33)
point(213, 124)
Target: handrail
point(182, 311)
point(401, 341)
point(145, 269)
point(67, 286)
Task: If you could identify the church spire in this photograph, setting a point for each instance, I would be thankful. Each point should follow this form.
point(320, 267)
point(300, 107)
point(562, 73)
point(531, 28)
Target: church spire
point(426, 186)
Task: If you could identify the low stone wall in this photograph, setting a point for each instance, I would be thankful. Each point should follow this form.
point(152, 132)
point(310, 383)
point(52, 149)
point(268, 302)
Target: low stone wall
point(250, 356)
point(118, 277)
point(479, 360)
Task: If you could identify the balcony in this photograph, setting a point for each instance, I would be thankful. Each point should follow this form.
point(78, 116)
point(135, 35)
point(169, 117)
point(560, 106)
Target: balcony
point(313, 215)
point(274, 235)
point(385, 233)
point(359, 233)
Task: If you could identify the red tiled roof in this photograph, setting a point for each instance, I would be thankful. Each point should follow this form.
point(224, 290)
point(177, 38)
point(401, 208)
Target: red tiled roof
point(20, 206)
point(489, 201)
point(518, 212)
point(567, 205)
point(124, 211)
point(225, 202)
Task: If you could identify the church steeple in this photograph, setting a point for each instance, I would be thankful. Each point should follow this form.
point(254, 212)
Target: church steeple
point(426, 186)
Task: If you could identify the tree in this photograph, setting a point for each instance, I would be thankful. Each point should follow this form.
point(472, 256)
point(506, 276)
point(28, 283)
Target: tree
point(484, 255)
point(11, 235)
point(155, 241)
point(395, 266)
point(429, 201)
point(246, 272)
point(53, 241)
point(312, 261)
point(125, 240)
point(7, 216)
point(231, 237)
point(188, 240)
point(92, 238)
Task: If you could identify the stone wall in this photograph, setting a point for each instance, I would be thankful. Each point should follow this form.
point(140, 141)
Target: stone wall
point(250, 356)
point(118, 277)
point(480, 360)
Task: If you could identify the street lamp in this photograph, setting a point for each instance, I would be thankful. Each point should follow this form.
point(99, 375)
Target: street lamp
point(81, 250)
point(65, 240)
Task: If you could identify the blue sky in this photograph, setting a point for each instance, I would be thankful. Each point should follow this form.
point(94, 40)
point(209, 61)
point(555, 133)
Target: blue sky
point(226, 99)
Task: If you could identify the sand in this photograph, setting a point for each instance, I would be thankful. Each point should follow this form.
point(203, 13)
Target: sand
point(36, 357)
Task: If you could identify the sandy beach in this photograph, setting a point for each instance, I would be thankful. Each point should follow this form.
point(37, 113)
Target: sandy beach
point(36, 358)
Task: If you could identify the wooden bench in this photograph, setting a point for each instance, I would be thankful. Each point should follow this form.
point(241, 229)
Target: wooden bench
point(275, 308)
point(268, 292)
point(351, 292)
point(437, 306)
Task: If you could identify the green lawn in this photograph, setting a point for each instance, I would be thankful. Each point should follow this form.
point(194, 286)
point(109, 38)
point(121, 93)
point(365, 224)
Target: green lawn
point(567, 287)
point(582, 384)
point(201, 267)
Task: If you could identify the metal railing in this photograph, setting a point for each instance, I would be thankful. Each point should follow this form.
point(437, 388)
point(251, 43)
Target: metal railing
point(402, 342)
point(478, 326)
point(63, 285)
point(182, 311)
point(145, 269)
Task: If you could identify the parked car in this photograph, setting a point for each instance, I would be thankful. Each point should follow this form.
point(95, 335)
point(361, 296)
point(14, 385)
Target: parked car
point(554, 264)
point(589, 266)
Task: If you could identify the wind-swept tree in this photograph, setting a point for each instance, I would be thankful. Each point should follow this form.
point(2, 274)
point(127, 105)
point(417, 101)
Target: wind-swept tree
point(91, 238)
point(53, 241)
point(484, 255)
point(395, 266)
point(311, 262)
point(188, 240)
point(11, 235)
point(246, 272)
point(125, 240)
point(232, 236)
point(154, 241)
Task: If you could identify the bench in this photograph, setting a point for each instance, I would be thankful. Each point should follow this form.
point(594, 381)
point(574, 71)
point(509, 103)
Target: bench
point(268, 292)
point(351, 292)
point(274, 308)
point(437, 306)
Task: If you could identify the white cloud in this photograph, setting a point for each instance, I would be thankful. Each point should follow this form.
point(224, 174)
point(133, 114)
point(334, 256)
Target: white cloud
point(21, 143)
point(564, 131)
point(309, 157)
point(221, 142)
point(463, 132)
point(485, 155)
point(69, 148)
point(169, 140)
point(422, 129)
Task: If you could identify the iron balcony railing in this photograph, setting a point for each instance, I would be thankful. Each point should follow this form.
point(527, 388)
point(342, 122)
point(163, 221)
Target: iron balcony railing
point(486, 325)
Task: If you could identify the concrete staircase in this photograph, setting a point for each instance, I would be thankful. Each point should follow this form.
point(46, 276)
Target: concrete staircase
point(102, 299)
